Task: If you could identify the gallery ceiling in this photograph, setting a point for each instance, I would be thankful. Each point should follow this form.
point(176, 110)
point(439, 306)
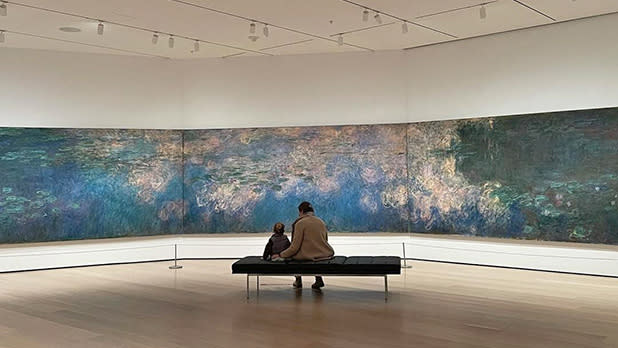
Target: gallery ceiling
point(222, 28)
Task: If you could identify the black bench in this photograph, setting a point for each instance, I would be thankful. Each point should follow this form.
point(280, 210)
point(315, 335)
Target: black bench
point(356, 266)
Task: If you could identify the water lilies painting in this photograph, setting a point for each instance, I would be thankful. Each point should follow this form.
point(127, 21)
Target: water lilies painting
point(550, 176)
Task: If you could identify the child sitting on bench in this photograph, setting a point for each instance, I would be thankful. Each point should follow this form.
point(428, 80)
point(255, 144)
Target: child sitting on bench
point(277, 243)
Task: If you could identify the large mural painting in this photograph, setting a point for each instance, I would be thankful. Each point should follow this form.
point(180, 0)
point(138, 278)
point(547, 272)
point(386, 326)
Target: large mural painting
point(244, 180)
point(544, 177)
point(63, 184)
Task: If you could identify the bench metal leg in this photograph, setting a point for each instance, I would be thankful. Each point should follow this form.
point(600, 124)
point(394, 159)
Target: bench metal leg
point(385, 288)
point(257, 284)
point(247, 286)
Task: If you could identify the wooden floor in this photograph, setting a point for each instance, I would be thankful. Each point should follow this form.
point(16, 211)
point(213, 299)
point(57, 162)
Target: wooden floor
point(203, 305)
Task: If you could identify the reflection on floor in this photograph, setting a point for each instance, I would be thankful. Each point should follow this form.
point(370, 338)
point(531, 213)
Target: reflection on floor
point(203, 305)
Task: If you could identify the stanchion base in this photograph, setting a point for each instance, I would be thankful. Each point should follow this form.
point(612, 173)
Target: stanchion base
point(175, 267)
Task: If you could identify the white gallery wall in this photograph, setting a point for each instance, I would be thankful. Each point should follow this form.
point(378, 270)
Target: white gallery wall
point(565, 66)
point(81, 90)
point(560, 67)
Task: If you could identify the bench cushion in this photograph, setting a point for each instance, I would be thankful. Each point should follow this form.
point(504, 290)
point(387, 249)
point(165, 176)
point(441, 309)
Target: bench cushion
point(361, 265)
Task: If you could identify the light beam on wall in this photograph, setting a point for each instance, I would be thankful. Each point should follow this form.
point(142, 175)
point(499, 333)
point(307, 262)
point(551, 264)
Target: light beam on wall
point(340, 40)
point(483, 12)
point(266, 31)
point(196, 46)
point(2, 37)
point(404, 27)
point(100, 28)
point(170, 42)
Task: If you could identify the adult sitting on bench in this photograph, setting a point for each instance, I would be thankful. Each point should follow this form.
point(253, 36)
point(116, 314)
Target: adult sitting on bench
point(309, 242)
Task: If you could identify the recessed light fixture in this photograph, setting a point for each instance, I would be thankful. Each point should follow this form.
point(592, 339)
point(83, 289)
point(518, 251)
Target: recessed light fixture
point(3, 9)
point(70, 29)
point(378, 18)
point(2, 38)
point(155, 38)
point(483, 12)
point(100, 28)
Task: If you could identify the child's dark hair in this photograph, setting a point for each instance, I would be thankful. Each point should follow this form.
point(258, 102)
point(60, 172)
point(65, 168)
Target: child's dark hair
point(305, 207)
point(279, 227)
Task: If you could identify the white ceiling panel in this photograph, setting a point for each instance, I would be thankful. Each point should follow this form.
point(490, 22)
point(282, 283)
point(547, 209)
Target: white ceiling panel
point(297, 26)
point(411, 9)
point(391, 37)
point(311, 46)
point(569, 9)
point(502, 15)
point(23, 41)
point(170, 17)
point(318, 17)
point(119, 39)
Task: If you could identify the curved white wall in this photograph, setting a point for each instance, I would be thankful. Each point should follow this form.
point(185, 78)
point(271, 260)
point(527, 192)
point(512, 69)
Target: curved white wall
point(560, 67)
point(565, 66)
point(81, 90)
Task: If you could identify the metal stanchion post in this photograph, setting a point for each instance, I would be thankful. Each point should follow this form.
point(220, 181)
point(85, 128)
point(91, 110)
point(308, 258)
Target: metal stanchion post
point(175, 266)
point(405, 262)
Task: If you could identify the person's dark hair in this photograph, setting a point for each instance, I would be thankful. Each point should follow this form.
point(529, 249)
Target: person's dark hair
point(280, 229)
point(305, 207)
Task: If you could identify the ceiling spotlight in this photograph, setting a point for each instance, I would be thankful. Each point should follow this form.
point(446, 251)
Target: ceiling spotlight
point(378, 18)
point(155, 38)
point(483, 12)
point(266, 31)
point(340, 40)
point(2, 37)
point(404, 27)
point(252, 28)
point(3, 9)
point(196, 46)
point(365, 15)
point(100, 28)
point(170, 42)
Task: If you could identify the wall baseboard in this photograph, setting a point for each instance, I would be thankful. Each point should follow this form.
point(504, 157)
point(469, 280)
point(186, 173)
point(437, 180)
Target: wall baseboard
point(576, 260)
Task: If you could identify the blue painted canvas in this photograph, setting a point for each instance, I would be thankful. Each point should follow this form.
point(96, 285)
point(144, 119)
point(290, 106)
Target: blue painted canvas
point(244, 180)
point(63, 184)
point(545, 177)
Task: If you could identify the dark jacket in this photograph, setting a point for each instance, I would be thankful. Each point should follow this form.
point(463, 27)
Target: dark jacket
point(277, 243)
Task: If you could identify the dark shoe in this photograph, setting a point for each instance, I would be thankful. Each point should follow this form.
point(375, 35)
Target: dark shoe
point(298, 283)
point(319, 283)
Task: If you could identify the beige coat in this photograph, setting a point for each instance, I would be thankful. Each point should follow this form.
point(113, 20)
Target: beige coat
point(309, 240)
